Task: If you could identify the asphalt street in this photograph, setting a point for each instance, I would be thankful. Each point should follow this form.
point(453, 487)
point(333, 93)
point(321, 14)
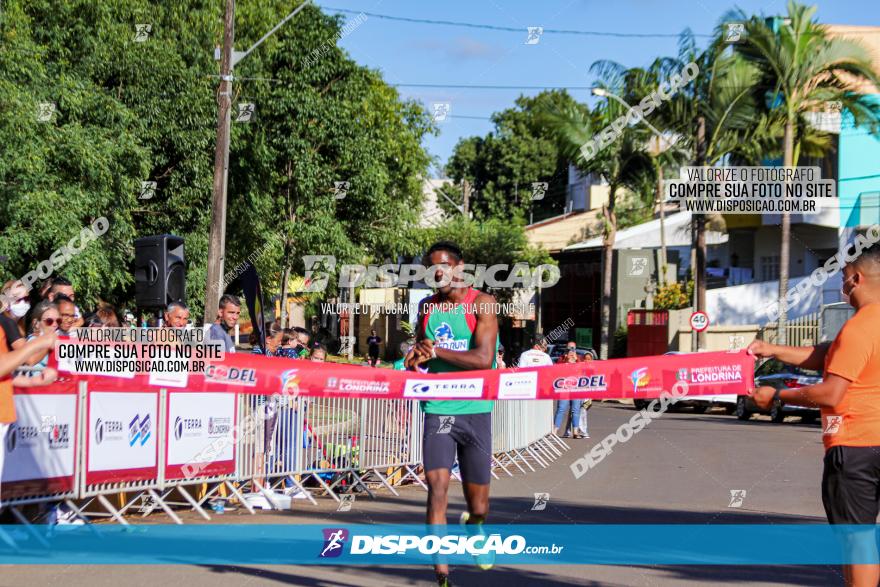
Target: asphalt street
point(679, 469)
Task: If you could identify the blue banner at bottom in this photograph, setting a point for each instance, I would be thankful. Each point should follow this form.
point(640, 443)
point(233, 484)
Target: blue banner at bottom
point(525, 544)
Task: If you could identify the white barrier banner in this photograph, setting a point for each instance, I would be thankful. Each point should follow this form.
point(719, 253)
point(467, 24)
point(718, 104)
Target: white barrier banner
point(40, 444)
point(122, 430)
point(198, 421)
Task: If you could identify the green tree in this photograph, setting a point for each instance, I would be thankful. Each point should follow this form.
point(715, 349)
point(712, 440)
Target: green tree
point(130, 111)
point(503, 165)
point(711, 117)
point(490, 242)
point(801, 69)
point(623, 163)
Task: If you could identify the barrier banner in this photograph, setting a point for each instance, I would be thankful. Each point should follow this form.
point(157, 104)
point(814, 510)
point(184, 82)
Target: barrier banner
point(197, 421)
point(121, 436)
point(712, 373)
point(40, 445)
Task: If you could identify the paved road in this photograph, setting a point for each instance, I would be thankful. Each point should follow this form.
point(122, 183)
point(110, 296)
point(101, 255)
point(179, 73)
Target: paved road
point(679, 469)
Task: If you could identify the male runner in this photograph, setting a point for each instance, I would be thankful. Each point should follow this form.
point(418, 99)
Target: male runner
point(848, 398)
point(457, 331)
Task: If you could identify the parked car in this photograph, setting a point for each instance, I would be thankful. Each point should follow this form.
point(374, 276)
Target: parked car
point(779, 376)
point(557, 350)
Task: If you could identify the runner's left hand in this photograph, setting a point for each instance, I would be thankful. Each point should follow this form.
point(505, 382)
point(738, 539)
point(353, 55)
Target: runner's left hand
point(425, 348)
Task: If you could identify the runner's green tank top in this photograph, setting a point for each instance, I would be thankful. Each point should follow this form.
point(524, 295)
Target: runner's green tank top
point(452, 326)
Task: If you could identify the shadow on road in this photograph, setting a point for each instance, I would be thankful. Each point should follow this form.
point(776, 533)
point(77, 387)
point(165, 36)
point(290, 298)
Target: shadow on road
point(530, 576)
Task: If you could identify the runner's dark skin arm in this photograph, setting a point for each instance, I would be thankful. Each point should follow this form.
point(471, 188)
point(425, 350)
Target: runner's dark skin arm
point(485, 335)
point(413, 359)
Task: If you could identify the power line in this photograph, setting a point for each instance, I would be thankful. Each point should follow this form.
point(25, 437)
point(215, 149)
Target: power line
point(491, 87)
point(505, 29)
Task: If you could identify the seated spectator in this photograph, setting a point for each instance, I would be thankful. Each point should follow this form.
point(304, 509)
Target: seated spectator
point(12, 317)
point(67, 311)
point(318, 354)
point(274, 333)
point(227, 318)
point(62, 287)
point(45, 319)
point(290, 345)
point(304, 338)
point(176, 315)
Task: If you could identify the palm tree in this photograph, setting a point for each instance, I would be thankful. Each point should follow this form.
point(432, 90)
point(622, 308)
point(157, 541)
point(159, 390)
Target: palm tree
point(707, 119)
point(802, 69)
point(711, 116)
point(623, 164)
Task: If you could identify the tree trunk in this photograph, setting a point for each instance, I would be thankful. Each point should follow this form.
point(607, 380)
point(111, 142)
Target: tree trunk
point(285, 277)
point(610, 231)
point(660, 199)
point(787, 161)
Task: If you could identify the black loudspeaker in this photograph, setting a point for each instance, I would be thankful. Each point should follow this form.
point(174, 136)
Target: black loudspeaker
point(159, 271)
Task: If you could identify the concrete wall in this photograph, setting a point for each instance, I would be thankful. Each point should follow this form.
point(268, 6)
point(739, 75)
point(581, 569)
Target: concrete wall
point(718, 338)
point(746, 304)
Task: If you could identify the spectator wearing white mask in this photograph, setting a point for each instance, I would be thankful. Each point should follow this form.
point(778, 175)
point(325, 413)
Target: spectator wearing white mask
point(12, 317)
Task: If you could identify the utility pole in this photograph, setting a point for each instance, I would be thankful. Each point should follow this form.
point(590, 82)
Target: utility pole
point(465, 197)
point(217, 239)
point(700, 285)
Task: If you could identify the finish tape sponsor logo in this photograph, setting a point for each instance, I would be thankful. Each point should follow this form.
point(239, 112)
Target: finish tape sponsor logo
point(231, 375)
point(522, 385)
point(107, 430)
point(139, 430)
point(448, 388)
point(713, 374)
point(187, 427)
point(219, 426)
point(21, 436)
point(580, 383)
point(345, 385)
point(290, 382)
point(59, 436)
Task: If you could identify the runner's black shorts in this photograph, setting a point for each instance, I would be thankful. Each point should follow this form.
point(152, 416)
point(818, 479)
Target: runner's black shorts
point(469, 436)
point(851, 484)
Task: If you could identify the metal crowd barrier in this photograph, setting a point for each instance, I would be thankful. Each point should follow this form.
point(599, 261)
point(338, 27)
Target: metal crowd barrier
point(283, 445)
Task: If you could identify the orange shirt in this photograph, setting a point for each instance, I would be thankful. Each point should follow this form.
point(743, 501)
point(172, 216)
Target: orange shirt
point(7, 405)
point(855, 355)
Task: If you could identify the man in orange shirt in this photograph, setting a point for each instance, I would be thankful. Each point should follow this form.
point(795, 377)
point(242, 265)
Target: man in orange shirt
point(849, 399)
point(9, 362)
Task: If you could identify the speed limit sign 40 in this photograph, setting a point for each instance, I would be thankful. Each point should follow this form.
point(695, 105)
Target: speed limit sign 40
point(699, 321)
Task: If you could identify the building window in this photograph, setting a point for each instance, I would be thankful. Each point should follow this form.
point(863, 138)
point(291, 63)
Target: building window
point(770, 268)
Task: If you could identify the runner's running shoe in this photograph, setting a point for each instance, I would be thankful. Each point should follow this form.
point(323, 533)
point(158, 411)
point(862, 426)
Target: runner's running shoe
point(484, 561)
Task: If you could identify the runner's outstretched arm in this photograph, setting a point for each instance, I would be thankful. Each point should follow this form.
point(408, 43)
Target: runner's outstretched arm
point(806, 357)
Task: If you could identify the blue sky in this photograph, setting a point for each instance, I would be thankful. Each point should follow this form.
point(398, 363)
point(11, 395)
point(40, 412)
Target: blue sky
point(415, 53)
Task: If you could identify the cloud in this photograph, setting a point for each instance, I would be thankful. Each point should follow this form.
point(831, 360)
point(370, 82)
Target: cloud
point(460, 48)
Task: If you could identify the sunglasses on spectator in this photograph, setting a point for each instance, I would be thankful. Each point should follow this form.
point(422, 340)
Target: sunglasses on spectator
point(49, 321)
